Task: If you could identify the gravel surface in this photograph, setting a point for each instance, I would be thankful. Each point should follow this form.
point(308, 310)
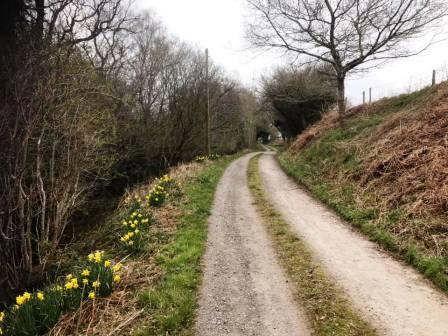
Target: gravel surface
point(244, 291)
point(393, 296)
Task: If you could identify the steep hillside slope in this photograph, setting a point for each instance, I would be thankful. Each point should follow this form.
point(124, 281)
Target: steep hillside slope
point(386, 172)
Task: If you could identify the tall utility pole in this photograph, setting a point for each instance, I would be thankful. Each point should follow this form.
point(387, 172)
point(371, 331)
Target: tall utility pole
point(207, 139)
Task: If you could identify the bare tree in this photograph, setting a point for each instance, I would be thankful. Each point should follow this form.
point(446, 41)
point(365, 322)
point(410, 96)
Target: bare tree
point(343, 33)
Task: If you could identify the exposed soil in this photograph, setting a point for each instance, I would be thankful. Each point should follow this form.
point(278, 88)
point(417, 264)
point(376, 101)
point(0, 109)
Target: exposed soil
point(394, 297)
point(244, 290)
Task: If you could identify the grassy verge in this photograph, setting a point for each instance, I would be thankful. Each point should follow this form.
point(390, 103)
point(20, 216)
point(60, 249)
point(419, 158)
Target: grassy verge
point(335, 166)
point(327, 309)
point(360, 209)
point(172, 301)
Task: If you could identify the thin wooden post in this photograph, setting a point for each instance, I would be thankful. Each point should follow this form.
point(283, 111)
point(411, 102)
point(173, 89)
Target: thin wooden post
point(363, 97)
point(207, 139)
point(433, 77)
point(370, 95)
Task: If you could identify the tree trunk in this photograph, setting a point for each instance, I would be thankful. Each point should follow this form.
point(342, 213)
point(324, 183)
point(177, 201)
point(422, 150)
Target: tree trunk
point(40, 17)
point(341, 97)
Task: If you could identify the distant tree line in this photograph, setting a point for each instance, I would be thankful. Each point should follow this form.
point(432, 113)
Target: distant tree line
point(297, 97)
point(91, 93)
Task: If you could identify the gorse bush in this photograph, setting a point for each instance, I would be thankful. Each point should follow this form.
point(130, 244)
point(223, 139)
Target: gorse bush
point(36, 313)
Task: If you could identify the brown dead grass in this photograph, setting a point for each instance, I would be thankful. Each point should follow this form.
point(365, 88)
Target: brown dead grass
point(409, 163)
point(329, 121)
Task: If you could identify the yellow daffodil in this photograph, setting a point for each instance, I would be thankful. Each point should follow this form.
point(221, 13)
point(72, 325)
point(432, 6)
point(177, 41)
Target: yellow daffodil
point(91, 257)
point(92, 295)
point(2, 316)
point(125, 223)
point(69, 277)
point(40, 296)
point(96, 284)
point(117, 268)
point(136, 231)
point(98, 256)
point(133, 225)
point(27, 296)
point(107, 263)
point(139, 216)
point(131, 243)
point(85, 281)
point(74, 282)
point(16, 307)
point(20, 300)
point(131, 234)
point(1, 331)
point(68, 285)
point(85, 273)
point(133, 214)
point(117, 278)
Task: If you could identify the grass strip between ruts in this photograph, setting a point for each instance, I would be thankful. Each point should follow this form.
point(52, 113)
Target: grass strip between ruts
point(328, 310)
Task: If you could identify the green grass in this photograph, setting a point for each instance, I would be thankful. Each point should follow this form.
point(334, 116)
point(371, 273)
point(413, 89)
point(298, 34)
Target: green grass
point(326, 306)
point(172, 302)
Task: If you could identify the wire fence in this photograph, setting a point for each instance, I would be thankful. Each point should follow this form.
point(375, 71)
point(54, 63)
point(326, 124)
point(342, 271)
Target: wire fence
point(372, 93)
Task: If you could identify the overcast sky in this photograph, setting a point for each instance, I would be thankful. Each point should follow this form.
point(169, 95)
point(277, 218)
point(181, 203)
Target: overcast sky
point(219, 26)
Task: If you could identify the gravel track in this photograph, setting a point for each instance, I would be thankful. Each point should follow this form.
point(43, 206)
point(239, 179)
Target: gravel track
point(393, 296)
point(244, 290)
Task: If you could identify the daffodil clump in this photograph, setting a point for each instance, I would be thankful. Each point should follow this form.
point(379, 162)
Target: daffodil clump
point(36, 313)
point(135, 224)
point(202, 158)
point(214, 157)
point(134, 228)
point(157, 196)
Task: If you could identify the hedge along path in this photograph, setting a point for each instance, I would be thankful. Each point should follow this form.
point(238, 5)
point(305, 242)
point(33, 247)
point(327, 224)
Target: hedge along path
point(244, 290)
point(326, 306)
point(394, 297)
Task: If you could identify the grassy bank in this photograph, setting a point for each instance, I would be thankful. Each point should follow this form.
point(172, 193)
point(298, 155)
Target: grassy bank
point(372, 173)
point(326, 307)
point(172, 300)
point(158, 234)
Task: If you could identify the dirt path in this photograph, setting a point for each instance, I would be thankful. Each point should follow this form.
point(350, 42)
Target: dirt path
point(393, 296)
point(244, 290)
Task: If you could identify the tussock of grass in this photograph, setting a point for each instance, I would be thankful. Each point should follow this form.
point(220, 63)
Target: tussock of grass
point(172, 301)
point(327, 309)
